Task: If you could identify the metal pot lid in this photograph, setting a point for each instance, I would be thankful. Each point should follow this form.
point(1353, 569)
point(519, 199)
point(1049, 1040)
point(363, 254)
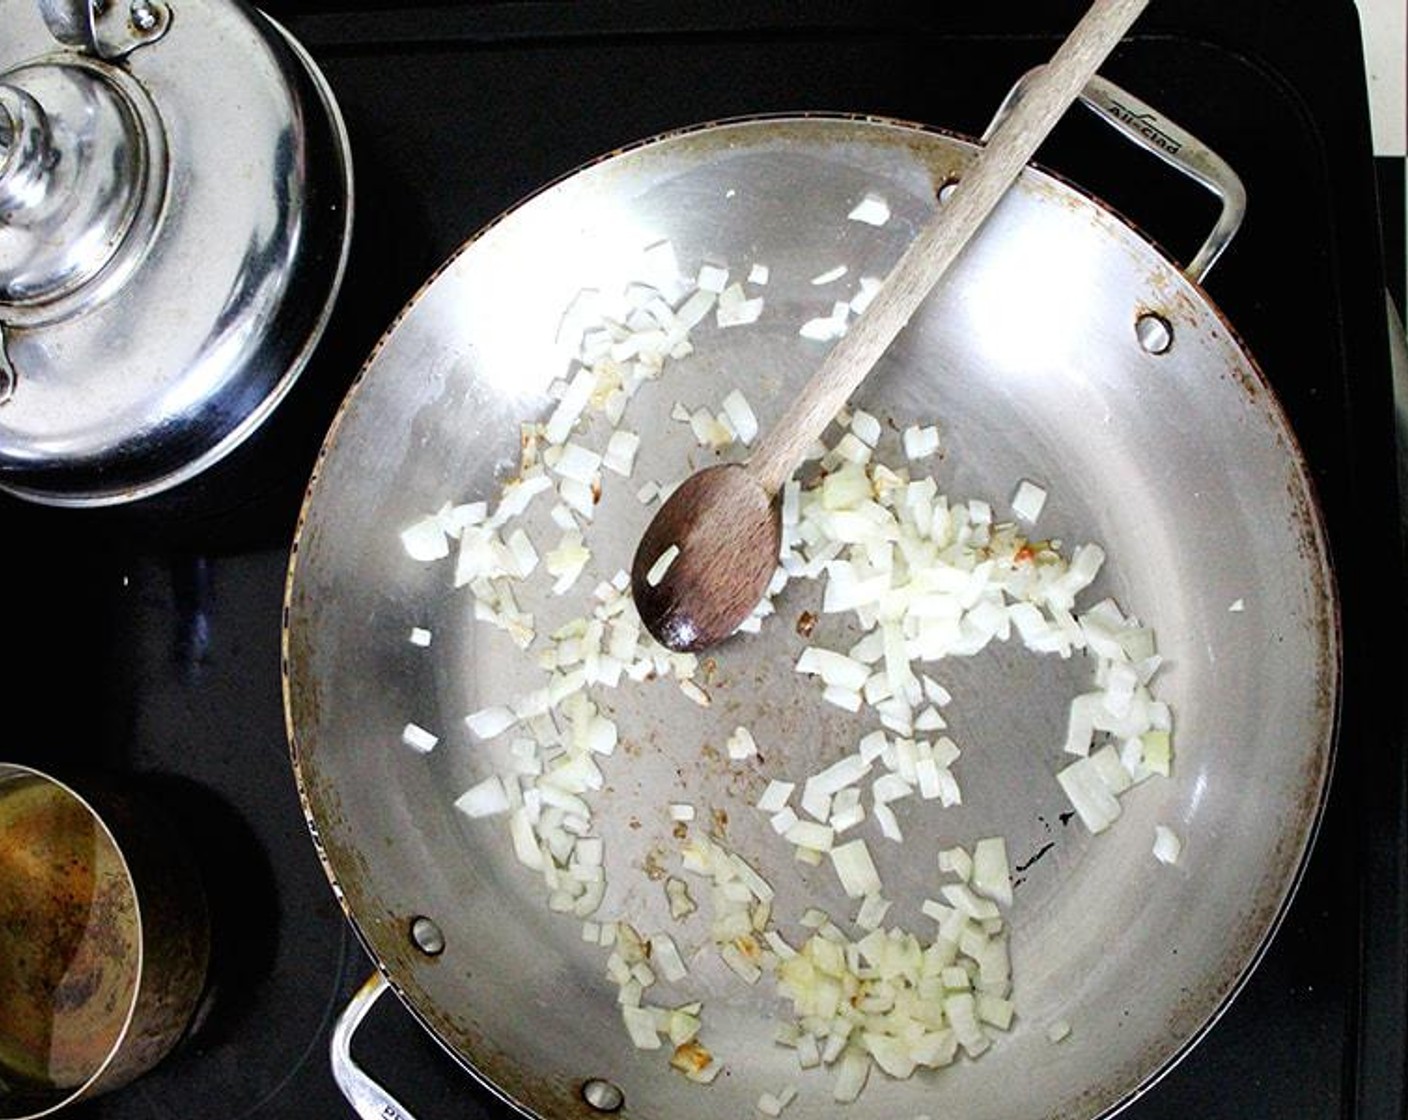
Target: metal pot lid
point(175, 214)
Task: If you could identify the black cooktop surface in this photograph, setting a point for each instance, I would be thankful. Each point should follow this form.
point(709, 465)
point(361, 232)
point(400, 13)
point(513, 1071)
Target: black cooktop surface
point(151, 645)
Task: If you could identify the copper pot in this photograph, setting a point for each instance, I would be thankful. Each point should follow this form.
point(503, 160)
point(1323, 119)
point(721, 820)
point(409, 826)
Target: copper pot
point(104, 940)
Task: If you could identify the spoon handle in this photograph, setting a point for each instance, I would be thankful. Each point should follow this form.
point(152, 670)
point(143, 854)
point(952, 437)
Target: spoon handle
point(942, 238)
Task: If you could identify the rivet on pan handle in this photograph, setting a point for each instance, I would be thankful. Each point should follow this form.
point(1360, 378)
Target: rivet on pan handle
point(367, 1098)
point(1178, 148)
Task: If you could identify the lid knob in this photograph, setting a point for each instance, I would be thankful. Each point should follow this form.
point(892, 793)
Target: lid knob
point(175, 205)
point(72, 175)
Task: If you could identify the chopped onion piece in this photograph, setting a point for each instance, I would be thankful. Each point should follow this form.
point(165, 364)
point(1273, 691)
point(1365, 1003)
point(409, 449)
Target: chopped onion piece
point(425, 540)
point(775, 796)
point(824, 329)
point(712, 278)
point(741, 745)
point(849, 770)
point(807, 834)
point(740, 414)
point(487, 723)
point(577, 463)
point(1167, 845)
point(680, 811)
point(869, 288)
point(920, 443)
point(420, 636)
point(665, 953)
point(488, 798)
point(962, 899)
point(834, 668)
point(846, 810)
point(1089, 795)
point(851, 1075)
point(740, 964)
point(872, 210)
point(569, 409)
point(681, 903)
point(956, 861)
point(662, 565)
point(866, 427)
point(855, 869)
point(888, 822)
point(1028, 501)
point(1156, 752)
point(991, 873)
point(830, 275)
point(640, 1024)
point(695, 1062)
point(735, 309)
point(846, 698)
point(757, 886)
point(695, 693)
point(418, 738)
point(620, 455)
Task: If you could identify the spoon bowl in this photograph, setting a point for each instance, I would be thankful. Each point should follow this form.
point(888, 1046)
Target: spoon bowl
point(727, 530)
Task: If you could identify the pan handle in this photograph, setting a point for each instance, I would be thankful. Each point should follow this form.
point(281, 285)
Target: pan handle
point(1155, 133)
point(367, 1098)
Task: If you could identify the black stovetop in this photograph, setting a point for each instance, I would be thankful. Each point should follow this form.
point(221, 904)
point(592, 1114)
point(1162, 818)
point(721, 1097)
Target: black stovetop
point(152, 645)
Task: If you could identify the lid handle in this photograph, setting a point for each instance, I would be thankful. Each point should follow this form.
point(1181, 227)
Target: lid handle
point(106, 29)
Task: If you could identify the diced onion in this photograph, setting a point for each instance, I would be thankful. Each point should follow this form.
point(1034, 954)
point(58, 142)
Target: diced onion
point(665, 953)
point(1167, 845)
point(956, 861)
point(640, 1024)
point(865, 427)
point(418, 738)
point(712, 278)
point(741, 745)
point(620, 455)
point(991, 874)
point(775, 796)
point(425, 540)
point(920, 443)
point(662, 565)
point(487, 723)
point(1089, 795)
point(740, 415)
point(486, 799)
point(1027, 502)
point(855, 869)
point(808, 834)
point(923, 576)
point(872, 210)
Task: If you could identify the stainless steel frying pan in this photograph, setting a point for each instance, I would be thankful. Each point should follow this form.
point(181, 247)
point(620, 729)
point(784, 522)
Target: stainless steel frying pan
point(1065, 349)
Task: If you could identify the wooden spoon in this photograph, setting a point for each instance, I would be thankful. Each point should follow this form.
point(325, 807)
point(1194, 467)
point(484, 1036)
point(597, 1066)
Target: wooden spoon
point(706, 558)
